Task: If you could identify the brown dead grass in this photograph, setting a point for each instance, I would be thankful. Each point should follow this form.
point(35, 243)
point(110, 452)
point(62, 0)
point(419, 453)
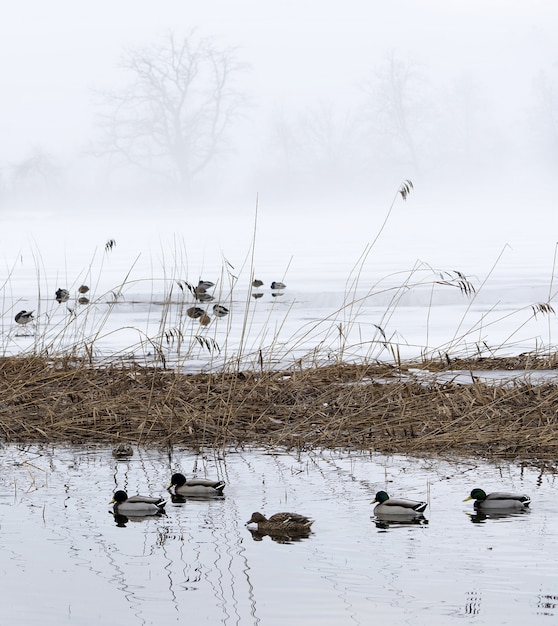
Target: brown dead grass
point(360, 407)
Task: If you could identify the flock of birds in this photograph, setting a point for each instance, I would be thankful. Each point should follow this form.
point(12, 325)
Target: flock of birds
point(295, 524)
point(181, 488)
point(61, 295)
point(200, 292)
point(202, 295)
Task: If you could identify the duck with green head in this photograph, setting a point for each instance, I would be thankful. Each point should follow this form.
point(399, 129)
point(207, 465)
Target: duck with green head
point(195, 487)
point(136, 505)
point(397, 507)
point(498, 501)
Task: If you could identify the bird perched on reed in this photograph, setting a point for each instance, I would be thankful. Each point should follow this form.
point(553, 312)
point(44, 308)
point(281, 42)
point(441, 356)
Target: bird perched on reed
point(257, 283)
point(62, 295)
point(397, 507)
point(278, 285)
point(219, 310)
point(281, 522)
point(498, 501)
point(136, 505)
point(195, 487)
point(24, 317)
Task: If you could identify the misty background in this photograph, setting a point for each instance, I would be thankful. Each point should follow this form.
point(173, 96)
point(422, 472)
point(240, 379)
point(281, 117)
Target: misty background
point(305, 104)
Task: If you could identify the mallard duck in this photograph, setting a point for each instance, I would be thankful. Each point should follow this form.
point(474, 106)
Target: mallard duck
point(24, 317)
point(257, 283)
point(498, 501)
point(196, 487)
point(205, 284)
point(278, 285)
point(136, 505)
point(219, 310)
point(195, 312)
point(83, 289)
point(281, 523)
point(397, 506)
point(122, 450)
point(204, 319)
point(62, 295)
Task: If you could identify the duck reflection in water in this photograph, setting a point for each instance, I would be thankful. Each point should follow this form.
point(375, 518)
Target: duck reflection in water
point(387, 523)
point(479, 517)
point(280, 537)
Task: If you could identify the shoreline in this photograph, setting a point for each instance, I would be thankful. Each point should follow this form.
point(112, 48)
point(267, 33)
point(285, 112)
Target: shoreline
point(367, 407)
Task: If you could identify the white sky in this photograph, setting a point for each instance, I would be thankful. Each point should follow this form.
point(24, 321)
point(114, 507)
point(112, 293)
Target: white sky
point(53, 53)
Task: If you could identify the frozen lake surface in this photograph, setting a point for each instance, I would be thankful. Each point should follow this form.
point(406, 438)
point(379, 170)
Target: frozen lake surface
point(348, 295)
point(65, 560)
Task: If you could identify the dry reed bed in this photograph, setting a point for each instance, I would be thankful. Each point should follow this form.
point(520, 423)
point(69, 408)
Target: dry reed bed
point(360, 407)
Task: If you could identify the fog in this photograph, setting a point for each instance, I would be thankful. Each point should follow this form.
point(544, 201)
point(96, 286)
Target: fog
point(337, 104)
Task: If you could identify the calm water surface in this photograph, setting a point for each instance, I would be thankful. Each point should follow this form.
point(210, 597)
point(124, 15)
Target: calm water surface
point(65, 560)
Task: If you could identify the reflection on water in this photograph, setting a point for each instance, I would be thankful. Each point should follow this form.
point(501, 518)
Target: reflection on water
point(200, 563)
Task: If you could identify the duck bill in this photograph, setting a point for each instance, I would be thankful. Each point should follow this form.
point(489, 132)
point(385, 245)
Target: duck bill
point(467, 499)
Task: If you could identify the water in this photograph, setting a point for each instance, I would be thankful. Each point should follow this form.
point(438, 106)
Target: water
point(65, 560)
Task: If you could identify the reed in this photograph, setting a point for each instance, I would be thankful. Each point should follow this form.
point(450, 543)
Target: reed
point(362, 407)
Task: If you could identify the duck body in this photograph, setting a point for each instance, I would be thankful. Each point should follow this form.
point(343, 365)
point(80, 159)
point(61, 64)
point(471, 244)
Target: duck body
point(62, 295)
point(498, 501)
point(219, 310)
point(196, 487)
point(136, 505)
point(278, 523)
point(397, 507)
point(195, 312)
point(123, 451)
point(277, 285)
point(257, 283)
point(205, 284)
point(24, 317)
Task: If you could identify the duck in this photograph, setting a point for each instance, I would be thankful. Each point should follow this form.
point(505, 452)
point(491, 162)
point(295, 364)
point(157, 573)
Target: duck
point(281, 523)
point(219, 310)
point(205, 284)
point(278, 285)
point(83, 289)
point(257, 283)
point(202, 296)
point(62, 295)
point(399, 507)
point(498, 501)
point(24, 317)
point(136, 505)
point(204, 319)
point(195, 312)
point(122, 451)
point(196, 487)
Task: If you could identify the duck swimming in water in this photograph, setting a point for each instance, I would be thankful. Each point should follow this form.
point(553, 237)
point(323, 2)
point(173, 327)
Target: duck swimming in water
point(498, 501)
point(281, 522)
point(195, 487)
point(397, 507)
point(136, 505)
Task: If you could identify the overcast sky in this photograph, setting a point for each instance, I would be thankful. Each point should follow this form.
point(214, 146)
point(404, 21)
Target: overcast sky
point(54, 54)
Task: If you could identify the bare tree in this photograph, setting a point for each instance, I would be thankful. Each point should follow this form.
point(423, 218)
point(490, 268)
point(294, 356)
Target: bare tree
point(396, 106)
point(173, 117)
